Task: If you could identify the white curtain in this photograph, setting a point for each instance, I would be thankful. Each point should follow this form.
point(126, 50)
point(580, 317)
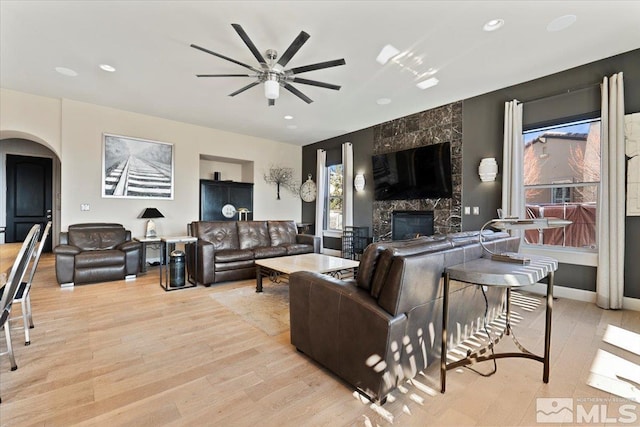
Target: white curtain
point(512, 163)
point(347, 184)
point(611, 198)
point(321, 183)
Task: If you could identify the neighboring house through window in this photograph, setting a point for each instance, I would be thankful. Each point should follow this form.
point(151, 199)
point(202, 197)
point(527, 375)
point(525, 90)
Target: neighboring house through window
point(562, 179)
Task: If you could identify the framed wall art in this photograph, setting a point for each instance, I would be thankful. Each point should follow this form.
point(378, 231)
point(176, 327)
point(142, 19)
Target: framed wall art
point(136, 168)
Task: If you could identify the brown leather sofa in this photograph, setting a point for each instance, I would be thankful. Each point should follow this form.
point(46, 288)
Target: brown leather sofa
point(227, 250)
point(96, 252)
point(384, 327)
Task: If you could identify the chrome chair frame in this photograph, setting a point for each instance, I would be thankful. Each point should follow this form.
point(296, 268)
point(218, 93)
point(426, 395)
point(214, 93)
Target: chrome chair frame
point(23, 293)
point(14, 279)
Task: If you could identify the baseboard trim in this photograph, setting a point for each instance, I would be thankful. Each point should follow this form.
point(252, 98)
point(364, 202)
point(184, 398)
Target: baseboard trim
point(581, 295)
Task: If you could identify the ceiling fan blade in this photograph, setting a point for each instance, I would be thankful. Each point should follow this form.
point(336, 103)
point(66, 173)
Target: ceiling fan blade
point(249, 86)
point(316, 83)
point(224, 75)
point(297, 93)
point(293, 48)
point(252, 47)
point(272, 102)
point(318, 66)
point(225, 57)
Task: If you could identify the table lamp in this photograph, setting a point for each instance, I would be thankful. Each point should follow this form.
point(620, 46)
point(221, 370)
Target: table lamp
point(519, 224)
point(151, 213)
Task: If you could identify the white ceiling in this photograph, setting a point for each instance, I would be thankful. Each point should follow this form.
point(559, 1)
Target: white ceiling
point(148, 43)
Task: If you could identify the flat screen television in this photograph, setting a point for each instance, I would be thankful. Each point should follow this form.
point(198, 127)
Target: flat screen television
point(418, 173)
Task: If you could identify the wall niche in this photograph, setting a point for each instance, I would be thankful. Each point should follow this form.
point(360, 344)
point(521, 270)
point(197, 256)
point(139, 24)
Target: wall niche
point(428, 127)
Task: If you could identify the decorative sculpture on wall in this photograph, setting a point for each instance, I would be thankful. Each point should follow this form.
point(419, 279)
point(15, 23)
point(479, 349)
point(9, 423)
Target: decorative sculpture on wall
point(281, 176)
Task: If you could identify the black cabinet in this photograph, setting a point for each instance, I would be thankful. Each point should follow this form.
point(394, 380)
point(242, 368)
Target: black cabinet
point(214, 195)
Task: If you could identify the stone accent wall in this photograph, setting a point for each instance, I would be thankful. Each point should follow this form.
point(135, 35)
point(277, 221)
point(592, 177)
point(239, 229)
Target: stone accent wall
point(433, 126)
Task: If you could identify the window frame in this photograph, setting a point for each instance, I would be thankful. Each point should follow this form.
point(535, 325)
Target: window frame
point(327, 199)
point(564, 254)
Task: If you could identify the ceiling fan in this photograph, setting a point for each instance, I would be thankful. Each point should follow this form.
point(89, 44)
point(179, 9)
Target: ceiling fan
point(272, 73)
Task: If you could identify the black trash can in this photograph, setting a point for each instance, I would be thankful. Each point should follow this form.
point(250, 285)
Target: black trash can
point(176, 269)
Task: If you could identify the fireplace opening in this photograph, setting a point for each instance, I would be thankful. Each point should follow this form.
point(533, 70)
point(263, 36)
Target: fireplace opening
point(410, 224)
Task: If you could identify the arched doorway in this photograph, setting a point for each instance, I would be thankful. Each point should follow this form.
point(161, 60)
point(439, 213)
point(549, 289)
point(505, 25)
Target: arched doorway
point(31, 195)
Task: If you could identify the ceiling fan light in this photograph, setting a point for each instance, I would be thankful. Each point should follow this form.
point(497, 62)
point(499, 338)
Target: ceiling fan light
point(271, 89)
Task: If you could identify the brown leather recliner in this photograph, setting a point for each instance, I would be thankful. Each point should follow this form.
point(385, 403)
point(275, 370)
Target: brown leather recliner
point(96, 252)
point(384, 327)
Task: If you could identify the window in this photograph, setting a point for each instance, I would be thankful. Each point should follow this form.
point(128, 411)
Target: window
point(334, 198)
point(562, 180)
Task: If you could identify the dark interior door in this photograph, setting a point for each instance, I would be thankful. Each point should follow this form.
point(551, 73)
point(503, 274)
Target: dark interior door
point(29, 198)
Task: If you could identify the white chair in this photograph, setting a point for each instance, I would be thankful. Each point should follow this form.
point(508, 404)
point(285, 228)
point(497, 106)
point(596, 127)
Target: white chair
point(23, 294)
point(13, 282)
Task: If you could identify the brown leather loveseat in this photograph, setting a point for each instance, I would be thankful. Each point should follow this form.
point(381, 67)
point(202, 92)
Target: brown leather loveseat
point(96, 252)
point(384, 327)
point(227, 250)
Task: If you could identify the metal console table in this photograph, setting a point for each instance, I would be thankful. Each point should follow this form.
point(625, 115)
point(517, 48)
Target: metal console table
point(170, 243)
point(487, 272)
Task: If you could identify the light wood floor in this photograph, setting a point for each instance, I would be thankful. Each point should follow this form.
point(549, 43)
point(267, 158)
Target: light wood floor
point(129, 353)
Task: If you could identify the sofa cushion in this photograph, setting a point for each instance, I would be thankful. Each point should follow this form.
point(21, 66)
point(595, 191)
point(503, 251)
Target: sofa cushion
point(282, 232)
point(253, 234)
point(297, 248)
point(406, 248)
point(99, 258)
point(368, 264)
point(269, 252)
point(100, 236)
point(228, 266)
point(232, 255)
point(222, 234)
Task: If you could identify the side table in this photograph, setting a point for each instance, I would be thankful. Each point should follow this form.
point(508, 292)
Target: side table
point(169, 244)
point(143, 255)
point(487, 272)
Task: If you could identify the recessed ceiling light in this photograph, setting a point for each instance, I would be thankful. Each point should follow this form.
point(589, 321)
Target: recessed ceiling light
point(386, 54)
point(107, 67)
point(383, 101)
point(493, 25)
point(288, 117)
point(66, 71)
point(561, 23)
point(428, 83)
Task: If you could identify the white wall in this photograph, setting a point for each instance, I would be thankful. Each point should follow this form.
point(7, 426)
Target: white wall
point(79, 147)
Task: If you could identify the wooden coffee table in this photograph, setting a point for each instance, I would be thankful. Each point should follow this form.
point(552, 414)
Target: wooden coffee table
point(281, 267)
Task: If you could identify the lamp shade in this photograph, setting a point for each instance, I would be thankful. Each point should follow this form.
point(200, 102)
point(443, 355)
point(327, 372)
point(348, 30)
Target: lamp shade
point(271, 89)
point(151, 213)
point(488, 169)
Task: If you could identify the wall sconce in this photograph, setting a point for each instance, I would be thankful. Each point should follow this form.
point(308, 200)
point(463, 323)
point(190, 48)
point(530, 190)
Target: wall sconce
point(358, 182)
point(488, 169)
point(151, 213)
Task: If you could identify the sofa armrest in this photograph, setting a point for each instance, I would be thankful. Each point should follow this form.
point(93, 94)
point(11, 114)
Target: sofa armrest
point(65, 262)
point(132, 252)
point(343, 328)
point(129, 246)
point(205, 271)
point(66, 250)
point(309, 239)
